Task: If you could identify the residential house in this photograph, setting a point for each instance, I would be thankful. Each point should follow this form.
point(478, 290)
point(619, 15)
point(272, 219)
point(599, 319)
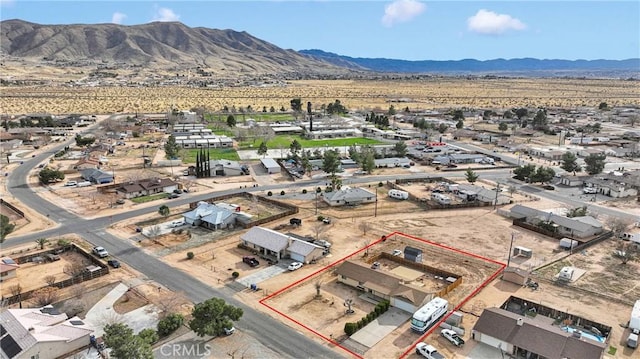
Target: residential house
point(392, 162)
point(616, 185)
point(482, 194)
point(586, 152)
point(275, 244)
point(348, 196)
point(41, 333)
point(210, 216)
point(227, 168)
point(576, 227)
point(525, 336)
point(572, 181)
point(146, 187)
point(96, 176)
point(384, 285)
point(8, 269)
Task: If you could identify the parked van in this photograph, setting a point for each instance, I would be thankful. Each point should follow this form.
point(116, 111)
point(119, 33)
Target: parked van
point(632, 340)
point(71, 183)
point(397, 194)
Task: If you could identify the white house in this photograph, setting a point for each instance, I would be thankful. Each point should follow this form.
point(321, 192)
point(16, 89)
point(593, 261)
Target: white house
point(41, 333)
point(275, 244)
point(270, 165)
point(349, 196)
point(210, 216)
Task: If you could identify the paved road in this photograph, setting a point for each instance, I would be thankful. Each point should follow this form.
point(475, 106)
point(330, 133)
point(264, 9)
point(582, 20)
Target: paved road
point(270, 332)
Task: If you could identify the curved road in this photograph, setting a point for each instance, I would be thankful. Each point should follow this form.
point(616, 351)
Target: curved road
point(268, 331)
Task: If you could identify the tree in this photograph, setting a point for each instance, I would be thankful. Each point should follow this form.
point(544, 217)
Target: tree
point(295, 147)
point(471, 176)
point(170, 324)
point(626, 252)
point(124, 344)
point(16, 290)
point(262, 150)
point(231, 121)
point(577, 212)
point(164, 211)
point(400, 148)
point(503, 127)
point(41, 242)
point(364, 227)
point(569, 162)
point(595, 163)
point(392, 110)
point(171, 148)
point(618, 225)
point(50, 279)
point(603, 106)
point(367, 159)
point(212, 316)
point(48, 175)
point(84, 141)
point(543, 174)
point(331, 164)
point(443, 127)
point(45, 296)
point(521, 113)
point(507, 114)
point(149, 335)
point(524, 173)
point(458, 115)
point(539, 121)
point(459, 124)
point(5, 227)
point(296, 105)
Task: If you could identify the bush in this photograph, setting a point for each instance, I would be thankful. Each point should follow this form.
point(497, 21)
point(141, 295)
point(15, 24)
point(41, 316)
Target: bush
point(304, 191)
point(190, 255)
point(235, 275)
point(328, 189)
point(380, 184)
point(282, 193)
point(320, 218)
point(350, 328)
point(318, 189)
point(149, 335)
point(170, 324)
point(269, 194)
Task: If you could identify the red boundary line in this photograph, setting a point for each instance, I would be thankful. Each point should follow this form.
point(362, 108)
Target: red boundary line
point(408, 351)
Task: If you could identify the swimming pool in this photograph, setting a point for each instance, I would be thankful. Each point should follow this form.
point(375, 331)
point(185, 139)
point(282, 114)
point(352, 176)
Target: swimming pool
point(585, 334)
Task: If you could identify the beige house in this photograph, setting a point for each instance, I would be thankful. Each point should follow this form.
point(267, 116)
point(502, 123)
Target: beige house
point(8, 269)
point(41, 333)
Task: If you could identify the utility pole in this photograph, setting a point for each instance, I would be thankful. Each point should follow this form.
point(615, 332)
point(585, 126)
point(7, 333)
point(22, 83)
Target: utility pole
point(495, 202)
point(375, 211)
point(316, 202)
point(513, 235)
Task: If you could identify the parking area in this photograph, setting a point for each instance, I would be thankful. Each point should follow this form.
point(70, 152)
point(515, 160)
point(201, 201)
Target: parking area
point(264, 274)
point(382, 326)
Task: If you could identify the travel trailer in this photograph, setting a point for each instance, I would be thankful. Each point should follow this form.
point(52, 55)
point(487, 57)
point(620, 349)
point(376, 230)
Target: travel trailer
point(427, 315)
point(397, 194)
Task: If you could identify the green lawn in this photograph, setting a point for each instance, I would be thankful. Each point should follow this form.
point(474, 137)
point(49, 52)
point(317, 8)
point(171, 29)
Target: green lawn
point(284, 141)
point(189, 156)
point(258, 116)
point(150, 198)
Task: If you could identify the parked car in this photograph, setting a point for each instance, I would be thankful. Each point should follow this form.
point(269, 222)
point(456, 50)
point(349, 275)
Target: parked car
point(251, 261)
point(589, 190)
point(100, 252)
point(453, 337)
point(52, 257)
point(229, 331)
point(397, 252)
point(173, 195)
point(114, 263)
point(375, 265)
point(295, 265)
point(548, 187)
point(71, 183)
point(177, 191)
point(326, 220)
point(428, 351)
point(175, 224)
point(120, 201)
point(322, 243)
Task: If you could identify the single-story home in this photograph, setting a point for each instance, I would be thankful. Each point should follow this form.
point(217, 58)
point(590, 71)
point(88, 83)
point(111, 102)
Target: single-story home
point(614, 186)
point(210, 216)
point(383, 285)
point(572, 181)
point(275, 244)
point(96, 176)
point(576, 227)
point(8, 269)
point(41, 333)
point(227, 168)
point(146, 187)
point(349, 196)
point(518, 335)
point(392, 162)
point(270, 165)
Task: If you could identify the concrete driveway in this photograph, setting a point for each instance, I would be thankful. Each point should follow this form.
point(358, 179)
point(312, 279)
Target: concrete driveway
point(263, 274)
point(102, 313)
point(382, 326)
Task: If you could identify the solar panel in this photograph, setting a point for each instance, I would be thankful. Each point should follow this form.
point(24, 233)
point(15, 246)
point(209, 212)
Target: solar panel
point(76, 322)
point(9, 346)
point(2, 330)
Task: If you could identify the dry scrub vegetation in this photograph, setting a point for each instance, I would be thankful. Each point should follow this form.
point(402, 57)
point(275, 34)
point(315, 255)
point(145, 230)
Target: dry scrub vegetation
point(354, 94)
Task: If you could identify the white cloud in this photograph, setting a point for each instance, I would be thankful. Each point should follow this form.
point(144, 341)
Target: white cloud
point(118, 17)
point(7, 2)
point(490, 23)
point(402, 11)
point(165, 14)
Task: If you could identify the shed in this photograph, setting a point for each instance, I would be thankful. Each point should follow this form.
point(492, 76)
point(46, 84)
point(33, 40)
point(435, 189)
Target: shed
point(270, 165)
point(413, 254)
point(515, 275)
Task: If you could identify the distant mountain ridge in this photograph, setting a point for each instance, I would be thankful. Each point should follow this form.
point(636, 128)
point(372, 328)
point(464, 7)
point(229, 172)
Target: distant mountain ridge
point(471, 65)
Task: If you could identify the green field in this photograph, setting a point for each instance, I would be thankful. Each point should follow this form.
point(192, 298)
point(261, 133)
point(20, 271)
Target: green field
point(153, 197)
point(189, 156)
point(258, 116)
point(284, 141)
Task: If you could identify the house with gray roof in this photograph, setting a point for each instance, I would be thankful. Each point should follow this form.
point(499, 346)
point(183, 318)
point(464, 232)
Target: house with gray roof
point(616, 185)
point(576, 227)
point(146, 187)
point(524, 336)
point(348, 196)
point(227, 168)
point(96, 176)
point(382, 284)
point(271, 243)
point(210, 216)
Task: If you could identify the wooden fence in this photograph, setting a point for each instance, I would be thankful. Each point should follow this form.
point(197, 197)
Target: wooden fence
point(12, 207)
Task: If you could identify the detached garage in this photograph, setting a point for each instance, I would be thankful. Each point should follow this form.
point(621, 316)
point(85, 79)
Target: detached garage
point(270, 165)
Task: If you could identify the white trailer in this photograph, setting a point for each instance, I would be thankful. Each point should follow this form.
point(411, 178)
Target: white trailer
point(634, 322)
point(398, 194)
point(427, 315)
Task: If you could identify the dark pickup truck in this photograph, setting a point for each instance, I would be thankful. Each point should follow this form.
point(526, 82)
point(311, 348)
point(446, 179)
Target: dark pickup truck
point(251, 261)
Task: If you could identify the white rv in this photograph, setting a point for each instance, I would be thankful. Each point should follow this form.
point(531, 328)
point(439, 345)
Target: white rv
point(430, 313)
point(397, 194)
point(566, 273)
point(441, 198)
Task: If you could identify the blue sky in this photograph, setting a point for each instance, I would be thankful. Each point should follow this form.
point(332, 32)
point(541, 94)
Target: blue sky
point(401, 29)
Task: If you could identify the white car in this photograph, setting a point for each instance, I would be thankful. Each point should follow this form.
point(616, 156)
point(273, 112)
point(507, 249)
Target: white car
point(100, 252)
point(229, 331)
point(175, 224)
point(589, 190)
point(397, 252)
point(295, 265)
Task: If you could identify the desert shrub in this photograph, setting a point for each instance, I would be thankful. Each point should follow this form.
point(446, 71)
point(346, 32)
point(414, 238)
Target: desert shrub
point(282, 193)
point(235, 275)
point(318, 189)
point(170, 324)
point(45, 296)
point(320, 218)
point(73, 307)
point(380, 184)
point(190, 255)
point(149, 335)
point(328, 189)
point(304, 191)
point(269, 194)
point(350, 328)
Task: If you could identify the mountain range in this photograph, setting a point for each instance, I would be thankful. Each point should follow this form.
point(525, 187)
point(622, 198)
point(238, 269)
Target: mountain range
point(175, 45)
